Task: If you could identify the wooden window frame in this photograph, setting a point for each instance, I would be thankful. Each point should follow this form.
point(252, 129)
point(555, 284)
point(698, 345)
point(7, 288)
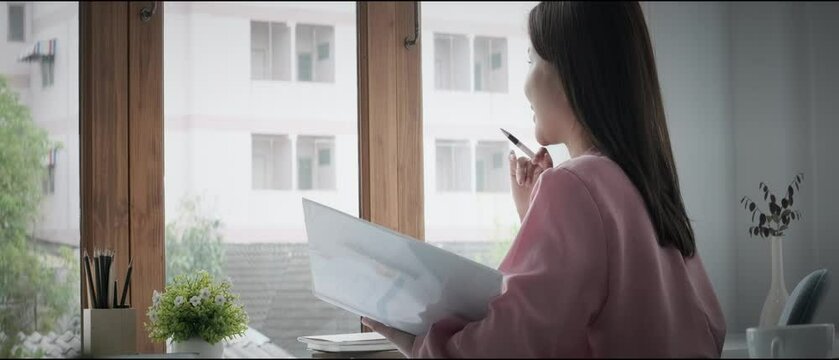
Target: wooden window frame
point(121, 134)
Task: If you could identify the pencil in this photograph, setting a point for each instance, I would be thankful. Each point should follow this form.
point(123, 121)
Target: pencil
point(91, 298)
point(125, 284)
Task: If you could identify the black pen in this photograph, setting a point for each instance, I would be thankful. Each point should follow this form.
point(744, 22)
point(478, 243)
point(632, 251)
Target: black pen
point(96, 264)
point(519, 144)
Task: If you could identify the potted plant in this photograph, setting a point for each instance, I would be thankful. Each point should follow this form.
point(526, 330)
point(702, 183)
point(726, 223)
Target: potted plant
point(196, 313)
point(772, 224)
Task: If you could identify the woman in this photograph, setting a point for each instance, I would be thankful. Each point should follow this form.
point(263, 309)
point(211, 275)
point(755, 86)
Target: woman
point(605, 263)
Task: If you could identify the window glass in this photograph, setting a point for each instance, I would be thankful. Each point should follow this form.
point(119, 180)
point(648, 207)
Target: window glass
point(314, 59)
point(271, 162)
point(320, 175)
point(484, 55)
point(490, 70)
point(39, 181)
point(280, 51)
point(259, 50)
point(17, 22)
point(491, 171)
point(451, 59)
point(240, 154)
point(270, 50)
point(454, 172)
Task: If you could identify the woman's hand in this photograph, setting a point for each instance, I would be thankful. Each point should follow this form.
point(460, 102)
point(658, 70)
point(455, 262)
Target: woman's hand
point(523, 175)
point(403, 341)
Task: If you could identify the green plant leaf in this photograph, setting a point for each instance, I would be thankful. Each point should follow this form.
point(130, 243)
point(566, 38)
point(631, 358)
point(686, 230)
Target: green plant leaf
point(752, 206)
point(762, 220)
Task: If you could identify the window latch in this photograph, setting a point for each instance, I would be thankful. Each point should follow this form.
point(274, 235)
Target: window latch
point(147, 12)
point(408, 40)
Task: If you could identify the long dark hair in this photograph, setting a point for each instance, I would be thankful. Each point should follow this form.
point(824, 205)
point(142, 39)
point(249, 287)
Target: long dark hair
point(604, 58)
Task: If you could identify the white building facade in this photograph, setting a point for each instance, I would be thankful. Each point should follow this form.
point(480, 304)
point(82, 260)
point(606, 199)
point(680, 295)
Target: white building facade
point(261, 110)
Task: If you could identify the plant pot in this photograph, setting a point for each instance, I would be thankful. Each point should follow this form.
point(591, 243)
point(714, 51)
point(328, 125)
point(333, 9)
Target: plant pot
point(199, 346)
point(777, 297)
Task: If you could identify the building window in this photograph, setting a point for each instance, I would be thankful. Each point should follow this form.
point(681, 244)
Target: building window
point(315, 53)
point(490, 64)
point(271, 162)
point(454, 172)
point(270, 51)
point(47, 71)
point(48, 183)
point(316, 162)
point(490, 173)
point(17, 23)
point(451, 62)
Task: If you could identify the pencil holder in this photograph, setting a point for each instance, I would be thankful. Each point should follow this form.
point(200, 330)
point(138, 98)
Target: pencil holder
point(109, 332)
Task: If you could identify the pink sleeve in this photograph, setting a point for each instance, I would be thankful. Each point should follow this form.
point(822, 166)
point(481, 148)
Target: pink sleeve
point(555, 283)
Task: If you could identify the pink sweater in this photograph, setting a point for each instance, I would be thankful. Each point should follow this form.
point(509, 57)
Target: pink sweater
point(585, 277)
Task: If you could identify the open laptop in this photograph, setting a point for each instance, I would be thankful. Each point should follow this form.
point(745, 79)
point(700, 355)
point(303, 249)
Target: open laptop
point(392, 278)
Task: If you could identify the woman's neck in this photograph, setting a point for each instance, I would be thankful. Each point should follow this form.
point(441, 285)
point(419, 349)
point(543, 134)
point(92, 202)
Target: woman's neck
point(578, 145)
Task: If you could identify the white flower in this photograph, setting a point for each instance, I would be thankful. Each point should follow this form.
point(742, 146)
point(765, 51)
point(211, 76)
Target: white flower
point(179, 300)
point(195, 300)
point(219, 299)
point(153, 316)
point(205, 293)
point(155, 298)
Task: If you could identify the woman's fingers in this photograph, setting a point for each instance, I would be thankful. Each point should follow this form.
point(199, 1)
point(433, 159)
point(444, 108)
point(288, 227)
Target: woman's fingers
point(522, 167)
point(373, 325)
point(526, 171)
point(512, 160)
point(543, 159)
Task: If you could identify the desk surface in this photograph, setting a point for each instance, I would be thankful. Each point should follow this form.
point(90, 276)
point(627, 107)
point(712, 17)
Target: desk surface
point(735, 346)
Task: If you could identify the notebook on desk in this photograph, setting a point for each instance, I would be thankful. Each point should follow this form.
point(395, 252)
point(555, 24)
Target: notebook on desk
point(358, 342)
point(389, 277)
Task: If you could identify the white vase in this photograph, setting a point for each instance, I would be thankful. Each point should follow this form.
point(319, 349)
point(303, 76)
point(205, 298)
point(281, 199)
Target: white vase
point(198, 345)
point(777, 297)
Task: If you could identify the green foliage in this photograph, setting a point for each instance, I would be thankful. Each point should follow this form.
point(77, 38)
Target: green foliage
point(193, 241)
point(195, 305)
point(781, 213)
point(27, 274)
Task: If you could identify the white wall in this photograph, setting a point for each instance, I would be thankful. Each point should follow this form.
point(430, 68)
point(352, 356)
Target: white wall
point(691, 44)
point(770, 83)
point(750, 91)
point(823, 28)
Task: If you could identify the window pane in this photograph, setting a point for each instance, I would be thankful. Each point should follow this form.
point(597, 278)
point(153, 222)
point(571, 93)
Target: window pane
point(314, 155)
point(259, 50)
point(217, 118)
point(39, 181)
point(280, 51)
point(490, 69)
point(451, 56)
point(454, 172)
point(17, 22)
point(314, 43)
point(271, 166)
point(477, 221)
point(495, 177)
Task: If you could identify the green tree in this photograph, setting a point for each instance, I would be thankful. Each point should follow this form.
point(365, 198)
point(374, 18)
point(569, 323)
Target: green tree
point(26, 278)
point(193, 241)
